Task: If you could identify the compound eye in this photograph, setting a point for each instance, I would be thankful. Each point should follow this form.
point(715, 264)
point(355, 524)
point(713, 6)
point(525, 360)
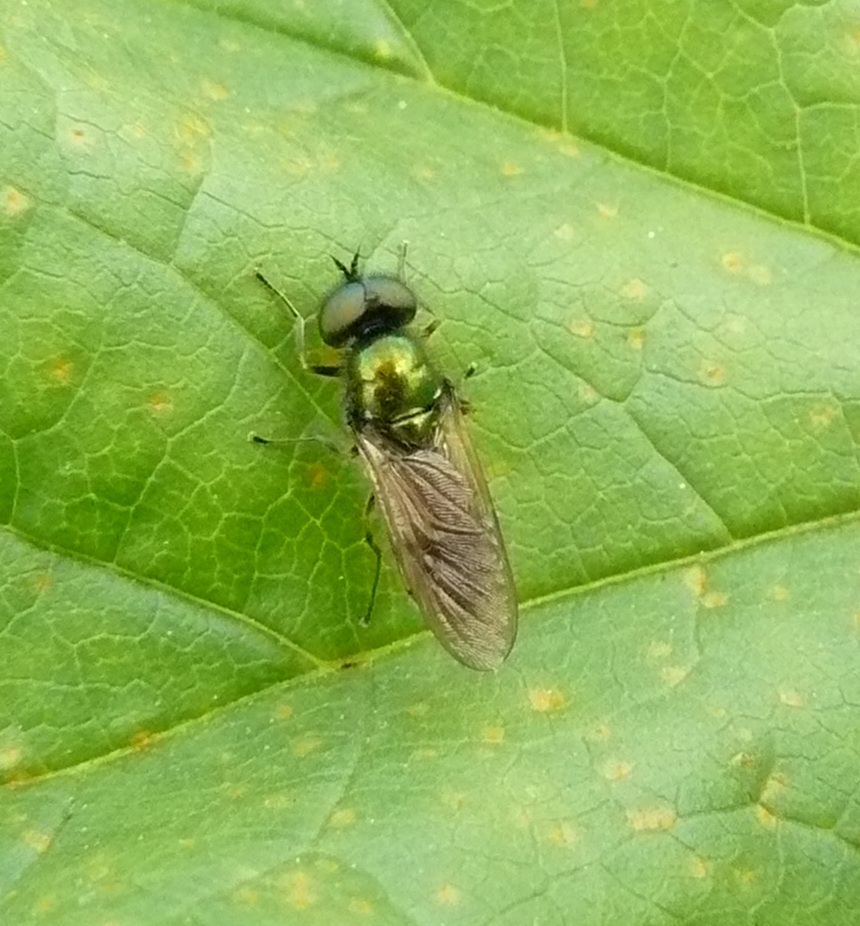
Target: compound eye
point(340, 312)
point(390, 293)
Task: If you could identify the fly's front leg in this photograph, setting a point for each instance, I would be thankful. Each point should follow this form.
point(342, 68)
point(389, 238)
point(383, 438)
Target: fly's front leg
point(377, 552)
point(322, 369)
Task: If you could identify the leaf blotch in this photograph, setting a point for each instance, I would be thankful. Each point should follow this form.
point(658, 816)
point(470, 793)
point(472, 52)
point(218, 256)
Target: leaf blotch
point(382, 50)
point(634, 289)
point(160, 403)
point(773, 788)
point(581, 327)
point(699, 867)
point(765, 817)
point(546, 700)
point(10, 757)
point(447, 895)
point(493, 735)
point(712, 374)
point(779, 593)
point(14, 201)
point(306, 746)
point(636, 338)
point(790, 698)
point(343, 817)
point(562, 834)
point(298, 890)
point(674, 675)
point(214, 90)
point(37, 841)
point(510, 169)
point(653, 818)
point(617, 770)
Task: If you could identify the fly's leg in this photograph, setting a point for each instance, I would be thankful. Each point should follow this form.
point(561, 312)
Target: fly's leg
point(368, 539)
point(401, 259)
point(322, 369)
point(281, 441)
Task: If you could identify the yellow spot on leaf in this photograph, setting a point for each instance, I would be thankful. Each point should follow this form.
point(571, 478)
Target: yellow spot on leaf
point(699, 867)
point(511, 169)
point(160, 403)
point(588, 393)
point(246, 897)
point(732, 262)
point(569, 149)
point(46, 904)
point(765, 817)
point(634, 289)
point(361, 906)
point(425, 173)
point(382, 49)
point(424, 754)
point(493, 735)
point(453, 800)
point(41, 582)
point(601, 733)
point(773, 788)
point(563, 834)
point(278, 801)
point(143, 739)
point(297, 888)
point(343, 817)
point(39, 842)
point(636, 338)
point(760, 274)
point(617, 770)
point(317, 475)
point(307, 745)
point(78, 136)
point(565, 232)
point(696, 579)
point(659, 650)
point(581, 327)
point(10, 756)
point(421, 709)
point(790, 698)
point(61, 370)
point(283, 712)
point(674, 675)
point(191, 129)
point(214, 90)
point(713, 600)
point(822, 417)
point(448, 895)
point(746, 876)
point(14, 201)
point(605, 211)
point(654, 818)
point(711, 373)
point(545, 700)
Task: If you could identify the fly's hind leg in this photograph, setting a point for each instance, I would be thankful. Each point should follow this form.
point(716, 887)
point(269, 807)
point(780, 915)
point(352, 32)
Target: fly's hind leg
point(377, 552)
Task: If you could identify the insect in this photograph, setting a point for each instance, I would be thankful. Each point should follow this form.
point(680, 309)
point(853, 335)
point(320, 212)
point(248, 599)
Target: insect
point(408, 427)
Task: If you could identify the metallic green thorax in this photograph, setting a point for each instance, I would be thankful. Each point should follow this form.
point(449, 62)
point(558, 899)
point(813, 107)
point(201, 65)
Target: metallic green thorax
point(391, 385)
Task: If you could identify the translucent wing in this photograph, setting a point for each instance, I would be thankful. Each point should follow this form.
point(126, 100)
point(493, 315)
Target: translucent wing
point(446, 537)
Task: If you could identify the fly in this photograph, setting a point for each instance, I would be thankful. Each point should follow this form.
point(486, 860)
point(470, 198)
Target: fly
point(410, 434)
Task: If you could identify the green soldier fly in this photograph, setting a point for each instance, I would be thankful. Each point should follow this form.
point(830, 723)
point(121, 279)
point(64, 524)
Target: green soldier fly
point(408, 427)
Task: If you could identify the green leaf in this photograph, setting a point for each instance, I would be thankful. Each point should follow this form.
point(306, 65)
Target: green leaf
point(194, 726)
